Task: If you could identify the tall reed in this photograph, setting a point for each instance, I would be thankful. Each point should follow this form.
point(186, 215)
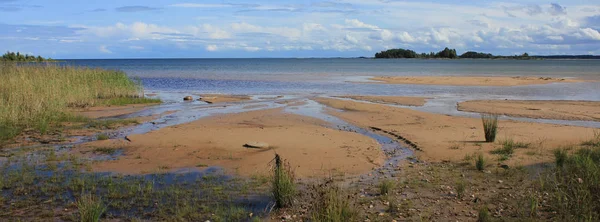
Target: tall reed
point(36, 95)
point(490, 126)
point(283, 186)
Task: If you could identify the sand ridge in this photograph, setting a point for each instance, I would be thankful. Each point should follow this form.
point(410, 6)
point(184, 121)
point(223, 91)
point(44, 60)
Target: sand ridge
point(312, 149)
point(222, 98)
point(451, 138)
point(540, 109)
point(395, 100)
point(471, 80)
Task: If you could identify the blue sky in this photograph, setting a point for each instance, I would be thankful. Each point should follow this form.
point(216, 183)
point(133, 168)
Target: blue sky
point(317, 28)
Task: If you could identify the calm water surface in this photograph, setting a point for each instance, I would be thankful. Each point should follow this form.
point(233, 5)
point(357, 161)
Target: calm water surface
point(332, 76)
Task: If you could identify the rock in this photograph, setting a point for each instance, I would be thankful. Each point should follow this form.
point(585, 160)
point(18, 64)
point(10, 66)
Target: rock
point(257, 145)
point(188, 98)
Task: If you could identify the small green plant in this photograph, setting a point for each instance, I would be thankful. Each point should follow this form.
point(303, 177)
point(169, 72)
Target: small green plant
point(490, 126)
point(480, 162)
point(283, 186)
point(484, 215)
point(533, 205)
point(331, 204)
point(102, 136)
point(460, 189)
point(90, 208)
point(105, 150)
point(560, 157)
point(385, 187)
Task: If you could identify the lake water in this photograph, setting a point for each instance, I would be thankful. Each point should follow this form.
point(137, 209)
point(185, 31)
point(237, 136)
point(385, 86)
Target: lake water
point(335, 76)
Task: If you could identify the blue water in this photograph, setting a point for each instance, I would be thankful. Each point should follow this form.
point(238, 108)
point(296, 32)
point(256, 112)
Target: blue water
point(335, 76)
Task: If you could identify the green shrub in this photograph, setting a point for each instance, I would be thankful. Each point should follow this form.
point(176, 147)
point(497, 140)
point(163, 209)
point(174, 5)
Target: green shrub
point(490, 126)
point(283, 186)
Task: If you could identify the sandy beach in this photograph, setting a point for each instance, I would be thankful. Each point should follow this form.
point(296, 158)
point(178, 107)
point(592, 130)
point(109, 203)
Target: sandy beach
point(539, 109)
point(471, 80)
point(394, 100)
point(312, 149)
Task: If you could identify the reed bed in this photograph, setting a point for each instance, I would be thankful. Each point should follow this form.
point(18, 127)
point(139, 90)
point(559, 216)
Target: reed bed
point(37, 95)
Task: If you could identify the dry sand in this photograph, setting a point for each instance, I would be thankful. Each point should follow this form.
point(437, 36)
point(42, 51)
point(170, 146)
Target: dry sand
point(471, 81)
point(451, 138)
point(395, 100)
point(313, 150)
point(218, 98)
point(551, 109)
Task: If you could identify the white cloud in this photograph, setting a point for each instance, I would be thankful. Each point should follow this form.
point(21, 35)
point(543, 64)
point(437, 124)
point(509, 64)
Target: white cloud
point(211, 48)
point(589, 33)
point(104, 49)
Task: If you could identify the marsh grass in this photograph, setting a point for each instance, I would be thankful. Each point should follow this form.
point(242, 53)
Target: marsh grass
point(386, 186)
point(283, 184)
point(331, 204)
point(490, 126)
point(574, 185)
point(90, 208)
point(39, 95)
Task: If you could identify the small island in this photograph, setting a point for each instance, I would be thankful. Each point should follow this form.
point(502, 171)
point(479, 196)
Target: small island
point(448, 53)
point(18, 57)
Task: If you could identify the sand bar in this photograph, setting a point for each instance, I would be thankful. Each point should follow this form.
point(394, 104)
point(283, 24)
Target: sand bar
point(218, 98)
point(539, 109)
point(471, 80)
point(437, 134)
point(111, 111)
point(313, 150)
point(395, 100)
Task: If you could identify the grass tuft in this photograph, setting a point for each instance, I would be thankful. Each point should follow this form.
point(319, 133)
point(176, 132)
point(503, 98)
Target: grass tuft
point(490, 126)
point(331, 204)
point(283, 186)
point(595, 141)
point(484, 215)
point(102, 136)
point(560, 157)
point(460, 189)
point(480, 162)
point(90, 208)
point(386, 186)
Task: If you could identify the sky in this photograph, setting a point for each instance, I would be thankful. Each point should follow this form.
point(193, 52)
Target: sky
point(75, 29)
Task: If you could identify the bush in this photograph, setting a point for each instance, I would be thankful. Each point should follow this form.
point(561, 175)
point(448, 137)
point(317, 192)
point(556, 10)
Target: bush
point(283, 186)
point(490, 126)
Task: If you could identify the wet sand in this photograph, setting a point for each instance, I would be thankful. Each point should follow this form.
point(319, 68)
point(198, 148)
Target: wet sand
point(551, 109)
point(394, 100)
point(471, 81)
point(218, 98)
point(111, 111)
point(312, 149)
point(450, 138)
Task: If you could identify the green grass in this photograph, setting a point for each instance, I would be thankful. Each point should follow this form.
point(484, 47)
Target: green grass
point(484, 215)
point(283, 186)
point(39, 96)
point(460, 189)
point(560, 157)
point(105, 150)
point(120, 101)
point(385, 187)
point(594, 142)
point(90, 208)
point(102, 136)
point(331, 204)
point(480, 162)
point(490, 126)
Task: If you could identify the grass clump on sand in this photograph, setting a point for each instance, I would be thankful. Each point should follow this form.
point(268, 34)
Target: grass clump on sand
point(90, 208)
point(575, 185)
point(480, 162)
point(490, 126)
point(595, 141)
point(385, 187)
point(39, 95)
point(331, 204)
point(283, 186)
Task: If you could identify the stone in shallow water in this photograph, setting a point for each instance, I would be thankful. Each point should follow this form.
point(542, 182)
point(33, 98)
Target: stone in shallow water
point(258, 145)
point(188, 98)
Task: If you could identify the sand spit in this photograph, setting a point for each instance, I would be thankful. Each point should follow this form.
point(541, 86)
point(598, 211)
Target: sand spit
point(394, 100)
point(314, 150)
point(111, 111)
point(442, 137)
point(550, 109)
point(218, 98)
point(471, 81)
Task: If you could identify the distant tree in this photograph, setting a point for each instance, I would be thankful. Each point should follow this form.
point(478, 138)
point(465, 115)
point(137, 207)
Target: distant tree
point(476, 55)
point(18, 57)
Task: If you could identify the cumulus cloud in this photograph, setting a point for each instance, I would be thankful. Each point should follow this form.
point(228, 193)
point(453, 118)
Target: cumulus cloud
point(135, 8)
point(556, 9)
point(104, 49)
point(211, 48)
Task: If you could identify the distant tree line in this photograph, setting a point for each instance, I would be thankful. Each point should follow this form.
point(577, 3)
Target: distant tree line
point(18, 57)
point(444, 54)
point(409, 54)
